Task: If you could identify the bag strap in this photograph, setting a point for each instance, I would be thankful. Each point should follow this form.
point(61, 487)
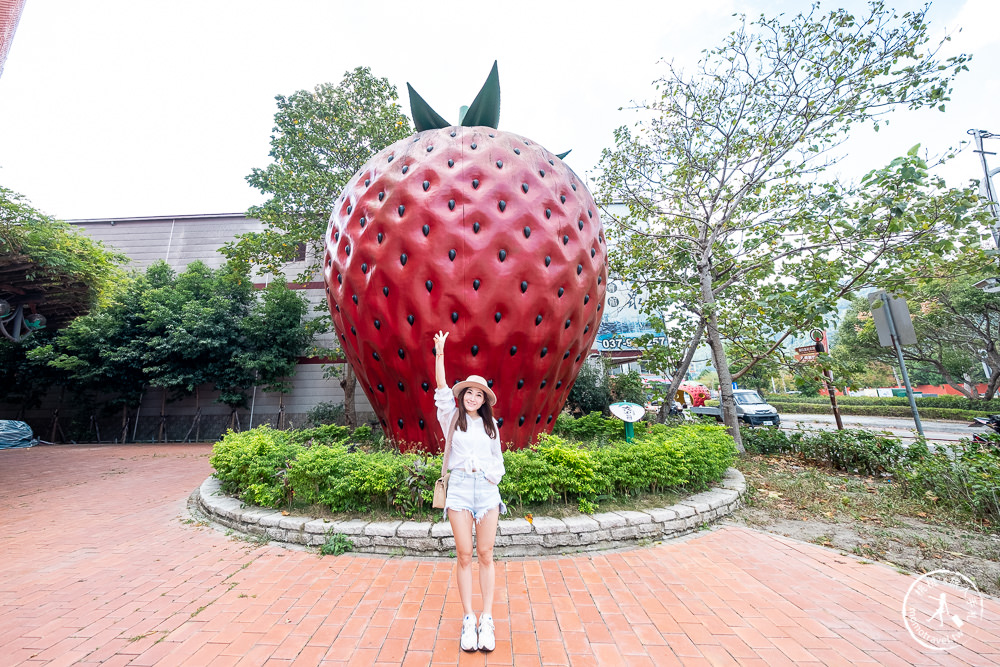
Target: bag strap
point(447, 443)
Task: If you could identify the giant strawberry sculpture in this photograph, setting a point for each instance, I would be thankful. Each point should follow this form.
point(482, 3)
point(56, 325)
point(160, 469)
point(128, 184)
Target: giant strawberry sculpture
point(480, 232)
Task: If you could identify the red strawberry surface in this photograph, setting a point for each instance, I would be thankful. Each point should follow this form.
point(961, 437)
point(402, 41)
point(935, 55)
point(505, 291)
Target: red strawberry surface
point(482, 233)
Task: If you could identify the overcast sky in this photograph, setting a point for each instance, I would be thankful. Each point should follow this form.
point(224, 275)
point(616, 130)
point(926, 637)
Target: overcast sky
point(112, 109)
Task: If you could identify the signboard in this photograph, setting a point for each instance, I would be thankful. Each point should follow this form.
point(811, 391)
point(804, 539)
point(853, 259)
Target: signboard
point(900, 318)
point(627, 412)
point(807, 357)
point(806, 349)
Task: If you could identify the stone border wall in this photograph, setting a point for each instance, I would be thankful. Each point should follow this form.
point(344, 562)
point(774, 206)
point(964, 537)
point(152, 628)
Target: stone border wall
point(515, 537)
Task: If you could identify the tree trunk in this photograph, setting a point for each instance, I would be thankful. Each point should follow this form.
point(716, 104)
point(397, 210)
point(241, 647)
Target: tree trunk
point(726, 402)
point(349, 382)
point(124, 435)
point(682, 370)
point(162, 437)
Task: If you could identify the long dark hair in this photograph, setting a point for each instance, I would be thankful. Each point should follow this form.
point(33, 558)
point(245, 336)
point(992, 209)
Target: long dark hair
point(485, 411)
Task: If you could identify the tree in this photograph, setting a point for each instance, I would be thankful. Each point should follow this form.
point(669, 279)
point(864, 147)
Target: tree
point(957, 326)
point(725, 215)
point(320, 139)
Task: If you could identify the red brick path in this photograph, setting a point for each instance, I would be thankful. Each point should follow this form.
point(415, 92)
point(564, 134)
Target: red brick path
point(100, 565)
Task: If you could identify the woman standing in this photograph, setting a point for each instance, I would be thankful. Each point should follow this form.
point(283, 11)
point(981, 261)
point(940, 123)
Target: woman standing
point(476, 466)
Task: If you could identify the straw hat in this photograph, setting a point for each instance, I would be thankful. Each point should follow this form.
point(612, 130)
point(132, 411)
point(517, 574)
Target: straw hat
point(479, 382)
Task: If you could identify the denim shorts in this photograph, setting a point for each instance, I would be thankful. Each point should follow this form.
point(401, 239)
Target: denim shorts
point(471, 491)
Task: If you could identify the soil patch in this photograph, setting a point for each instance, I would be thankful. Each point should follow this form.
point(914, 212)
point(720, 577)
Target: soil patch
point(867, 517)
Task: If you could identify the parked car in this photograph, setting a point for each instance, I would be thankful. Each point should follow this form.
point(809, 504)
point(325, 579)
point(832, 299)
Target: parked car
point(750, 409)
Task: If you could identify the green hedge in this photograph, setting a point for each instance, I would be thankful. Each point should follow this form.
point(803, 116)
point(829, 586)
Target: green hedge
point(786, 407)
point(945, 402)
point(322, 466)
point(963, 475)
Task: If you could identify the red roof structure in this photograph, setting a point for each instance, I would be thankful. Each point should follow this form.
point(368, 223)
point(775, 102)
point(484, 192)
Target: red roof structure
point(10, 13)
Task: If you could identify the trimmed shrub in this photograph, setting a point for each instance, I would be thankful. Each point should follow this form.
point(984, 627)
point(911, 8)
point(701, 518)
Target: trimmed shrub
point(850, 450)
point(253, 465)
point(967, 478)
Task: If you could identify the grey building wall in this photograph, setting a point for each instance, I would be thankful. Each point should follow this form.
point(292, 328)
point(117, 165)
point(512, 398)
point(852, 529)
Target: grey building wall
point(180, 240)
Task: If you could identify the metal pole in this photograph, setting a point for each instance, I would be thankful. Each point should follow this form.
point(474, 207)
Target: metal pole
point(902, 366)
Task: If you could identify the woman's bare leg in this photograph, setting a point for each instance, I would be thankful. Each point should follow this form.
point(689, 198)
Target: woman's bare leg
point(486, 535)
point(461, 528)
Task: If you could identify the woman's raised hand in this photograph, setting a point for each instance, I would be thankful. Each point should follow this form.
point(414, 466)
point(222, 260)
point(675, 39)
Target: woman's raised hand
point(439, 339)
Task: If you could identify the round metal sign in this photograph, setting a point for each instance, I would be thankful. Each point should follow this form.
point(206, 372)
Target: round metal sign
point(816, 335)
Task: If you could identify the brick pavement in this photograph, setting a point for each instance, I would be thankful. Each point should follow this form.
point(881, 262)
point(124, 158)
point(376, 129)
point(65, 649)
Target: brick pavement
point(99, 564)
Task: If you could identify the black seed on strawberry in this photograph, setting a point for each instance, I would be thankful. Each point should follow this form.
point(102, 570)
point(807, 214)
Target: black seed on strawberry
point(524, 188)
point(548, 213)
point(538, 419)
point(453, 134)
point(406, 168)
point(390, 158)
point(426, 229)
point(549, 420)
point(399, 385)
point(427, 185)
point(579, 269)
point(368, 182)
point(474, 147)
point(349, 208)
point(380, 387)
point(527, 232)
point(492, 136)
point(429, 285)
point(451, 204)
point(562, 199)
point(573, 185)
point(502, 205)
point(337, 306)
point(385, 291)
point(362, 222)
point(381, 196)
point(475, 184)
point(545, 351)
point(409, 319)
point(579, 224)
point(451, 254)
point(380, 237)
point(558, 384)
point(566, 326)
point(430, 148)
point(403, 258)
point(475, 227)
point(552, 163)
point(520, 383)
point(598, 280)
point(475, 284)
point(378, 325)
point(475, 350)
point(340, 279)
point(451, 163)
point(347, 249)
point(590, 214)
point(424, 386)
point(401, 353)
point(538, 320)
point(548, 260)
point(565, 239)
point(354, 331)
point(593, 251)
point(520, 420)
point(400, 423)
point(513, 350)
point(517, 151)
point(421, 424)
point(336, 236)
point(497, 317)
point(561, 290)
point(542, 385)
point(364, 268)
point(566, 355)
point(541, 172)
point(586, 329)
point(500, 422)
point(354, 298)
point(524, 286)
point(503, 255)
point(454, 317)
point(499, 164)
point(375, 356)
point(401, 209)
point(489, 383)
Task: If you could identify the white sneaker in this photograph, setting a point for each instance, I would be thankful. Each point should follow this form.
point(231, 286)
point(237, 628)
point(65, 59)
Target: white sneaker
point(469, 640)
point(487, 640)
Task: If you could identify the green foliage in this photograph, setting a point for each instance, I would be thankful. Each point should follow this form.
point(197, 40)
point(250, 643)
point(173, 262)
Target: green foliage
point(319, 140)
point(336, 544)
point(591, 392)
point(321, 466)
point(931, 407)
point(593, 426)
point(326, 413)
point(850, 450)
point(966, 478)
point(628, 387)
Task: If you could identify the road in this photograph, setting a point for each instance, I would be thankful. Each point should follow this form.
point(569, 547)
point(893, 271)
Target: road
point(935, 430)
